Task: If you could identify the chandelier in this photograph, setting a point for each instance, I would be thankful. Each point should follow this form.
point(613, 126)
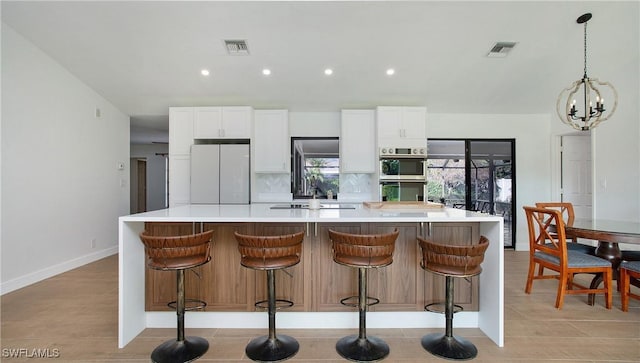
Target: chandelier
point(584, 115)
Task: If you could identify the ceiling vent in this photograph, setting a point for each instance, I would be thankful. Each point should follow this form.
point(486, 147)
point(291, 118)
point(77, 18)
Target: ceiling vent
point(236, 47)
point(501, 49)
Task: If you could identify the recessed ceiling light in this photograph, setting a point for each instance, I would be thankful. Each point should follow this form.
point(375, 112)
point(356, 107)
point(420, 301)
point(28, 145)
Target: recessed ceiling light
point(328, 71)
point(266, 71)
point(204, 72)
point(391, 72)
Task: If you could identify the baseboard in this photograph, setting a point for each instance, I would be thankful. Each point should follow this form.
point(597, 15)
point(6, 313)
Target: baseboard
point(37, 276)
point(310, 320)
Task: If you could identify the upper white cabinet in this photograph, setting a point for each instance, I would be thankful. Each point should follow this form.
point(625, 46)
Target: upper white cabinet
point(222, 122)
point(357, 142)
point(402, 122)
point(236, 122)
point(207, 122)
point(180, 130)
point(271, 141)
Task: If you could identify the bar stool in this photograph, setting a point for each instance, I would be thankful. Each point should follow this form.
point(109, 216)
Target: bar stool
point(179, 253)
point(270, 253)
point(362, 252)
point(451, 261)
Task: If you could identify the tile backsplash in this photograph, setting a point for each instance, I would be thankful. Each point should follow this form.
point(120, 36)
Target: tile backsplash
point(273, 183)
point(356, 183)
point(277, 187)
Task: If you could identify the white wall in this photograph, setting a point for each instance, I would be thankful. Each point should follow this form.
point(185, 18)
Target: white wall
point(531, 132)
point(617, 151)
point(61, 186)
point(156, 180)
point(617, 140)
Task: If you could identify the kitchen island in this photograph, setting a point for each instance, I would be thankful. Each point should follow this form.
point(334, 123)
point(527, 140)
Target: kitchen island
point(316, 283)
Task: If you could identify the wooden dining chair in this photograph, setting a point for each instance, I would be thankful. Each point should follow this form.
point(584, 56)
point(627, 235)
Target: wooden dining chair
point(568, 216)
point(628, 270)
point(548, 249)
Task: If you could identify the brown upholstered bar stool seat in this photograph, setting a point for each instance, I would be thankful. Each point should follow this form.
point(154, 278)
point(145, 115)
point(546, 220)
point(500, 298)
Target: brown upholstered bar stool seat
point(363, 252)
point(270, 253)
point(451, 261)
point(179, 253)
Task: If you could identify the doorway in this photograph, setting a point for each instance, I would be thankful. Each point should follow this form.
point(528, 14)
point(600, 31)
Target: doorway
point(476, 175)
point(138, 191)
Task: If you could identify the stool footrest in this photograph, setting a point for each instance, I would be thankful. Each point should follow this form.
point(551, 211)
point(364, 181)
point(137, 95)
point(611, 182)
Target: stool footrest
point(439, 307)
point(280, 304)
point(189, 304)
point(370, 301)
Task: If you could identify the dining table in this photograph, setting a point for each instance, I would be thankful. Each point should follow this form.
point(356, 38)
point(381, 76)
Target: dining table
point(608, 233)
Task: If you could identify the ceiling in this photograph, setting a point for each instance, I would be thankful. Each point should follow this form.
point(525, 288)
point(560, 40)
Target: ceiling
point(147, 56)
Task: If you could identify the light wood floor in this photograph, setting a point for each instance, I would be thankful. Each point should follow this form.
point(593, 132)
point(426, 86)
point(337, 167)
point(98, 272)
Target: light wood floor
point(76, 313)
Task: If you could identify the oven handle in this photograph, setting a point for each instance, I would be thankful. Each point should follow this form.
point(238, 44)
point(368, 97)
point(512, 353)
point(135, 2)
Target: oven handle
point(405, 181)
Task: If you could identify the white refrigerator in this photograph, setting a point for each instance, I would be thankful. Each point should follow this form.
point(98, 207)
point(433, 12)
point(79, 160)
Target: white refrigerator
point(220, 174)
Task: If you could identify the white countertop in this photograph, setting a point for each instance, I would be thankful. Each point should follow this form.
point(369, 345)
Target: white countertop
point(264, 213)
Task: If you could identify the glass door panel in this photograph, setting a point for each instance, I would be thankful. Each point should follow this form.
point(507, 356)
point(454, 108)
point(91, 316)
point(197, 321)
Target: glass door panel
point(476, 175)
point(491, 181)
point(480, 188)
point(446, 172)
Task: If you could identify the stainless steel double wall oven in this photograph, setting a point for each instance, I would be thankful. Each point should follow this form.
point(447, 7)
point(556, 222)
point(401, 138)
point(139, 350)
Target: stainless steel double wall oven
point(403, 172)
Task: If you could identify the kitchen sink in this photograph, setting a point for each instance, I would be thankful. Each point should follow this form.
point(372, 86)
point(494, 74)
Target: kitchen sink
point(306, 206)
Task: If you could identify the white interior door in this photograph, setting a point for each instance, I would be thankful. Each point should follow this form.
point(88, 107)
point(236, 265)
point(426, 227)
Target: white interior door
point(576, 174)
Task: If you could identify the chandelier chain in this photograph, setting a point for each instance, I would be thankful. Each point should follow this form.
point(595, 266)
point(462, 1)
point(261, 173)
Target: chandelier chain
point(585, 49)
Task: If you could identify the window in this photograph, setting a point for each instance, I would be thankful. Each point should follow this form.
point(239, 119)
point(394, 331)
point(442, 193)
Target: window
point(315, 167)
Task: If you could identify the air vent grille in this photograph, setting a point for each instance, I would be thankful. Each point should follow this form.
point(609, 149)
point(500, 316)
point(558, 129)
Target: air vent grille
point(501, 49)
point(236, 47)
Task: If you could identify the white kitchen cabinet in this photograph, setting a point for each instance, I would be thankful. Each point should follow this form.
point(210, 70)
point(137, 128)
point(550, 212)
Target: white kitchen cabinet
point(358, 142)
point(180, 141)
point(180, 130)
point(222, 122)
point(401, 122)
point(207, 122)
point(236, 122)
point(179, 180)
point(272, 147)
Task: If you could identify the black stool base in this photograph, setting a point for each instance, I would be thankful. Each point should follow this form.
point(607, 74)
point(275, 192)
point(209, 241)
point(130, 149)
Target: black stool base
point(174, 351)
point(455, 347)
point(263, 349)
point(369, 349)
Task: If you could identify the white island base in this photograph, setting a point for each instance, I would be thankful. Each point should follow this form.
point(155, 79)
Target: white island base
point(133, 319)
